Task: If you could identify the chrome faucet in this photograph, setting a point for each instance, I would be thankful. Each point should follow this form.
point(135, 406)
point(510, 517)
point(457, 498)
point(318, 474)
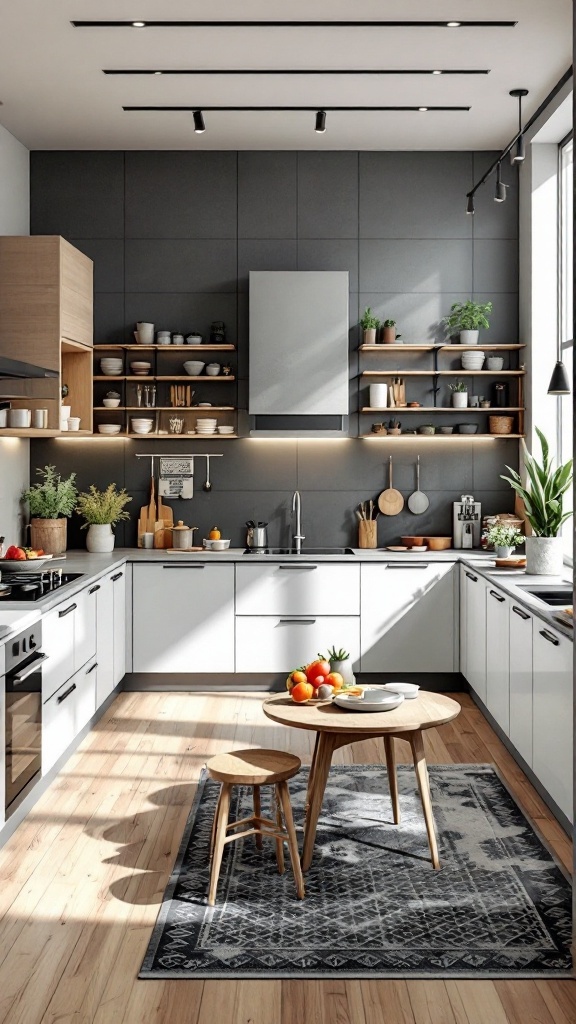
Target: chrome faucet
point(298, 536)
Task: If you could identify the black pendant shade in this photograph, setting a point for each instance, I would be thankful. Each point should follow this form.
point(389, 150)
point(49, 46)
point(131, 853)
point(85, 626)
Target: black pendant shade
point(559, 381)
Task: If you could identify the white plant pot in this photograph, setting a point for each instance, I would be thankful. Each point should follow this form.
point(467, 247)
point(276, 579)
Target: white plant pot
point(100, 538)
point(369, 336)
point(544, 556)
point(378, 396)
point(345, 670)
point(503, 552)
point(469, 337)
point(459, 399)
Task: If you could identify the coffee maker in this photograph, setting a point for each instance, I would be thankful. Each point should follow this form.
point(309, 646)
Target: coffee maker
point(466, 522)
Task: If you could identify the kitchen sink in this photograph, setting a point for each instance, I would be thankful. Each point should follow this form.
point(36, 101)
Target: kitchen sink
point(555, 596)
point(306, 552)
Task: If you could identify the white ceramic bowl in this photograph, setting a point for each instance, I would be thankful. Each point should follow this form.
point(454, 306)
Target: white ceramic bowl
point(110, 403)
point(225, 430)
point(194, 367)
point(142, 426)
point(109, 428)
point(409, 690)
point(216, 545)
point(213, 369)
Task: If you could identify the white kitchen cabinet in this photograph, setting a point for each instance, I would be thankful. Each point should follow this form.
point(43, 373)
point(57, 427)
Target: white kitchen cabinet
point(272, 643)
point(66, 712)
point(521, 710)
point(118, 583)
point(68, 638)
point(408, 617)
point(475, 597)
point(498, 657)
point(84, 627)
point(298, 588)
point(183, 617)
point(553, 720)
point(110, 632)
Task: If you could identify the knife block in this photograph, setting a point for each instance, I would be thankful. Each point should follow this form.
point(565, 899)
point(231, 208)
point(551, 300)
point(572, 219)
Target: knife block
point(367, 533)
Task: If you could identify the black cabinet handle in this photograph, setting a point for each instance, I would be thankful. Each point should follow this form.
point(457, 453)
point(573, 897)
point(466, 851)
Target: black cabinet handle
point(117, 576)
point(297, 622)
point(67, 694)
point(94, 589)
point(307, 567)
point(471, 577)
point(92, 667)
point(549, 637)
point(497, 596)
point(518, 611)
point(407, 565)
point(66, 611)
point(191, 566)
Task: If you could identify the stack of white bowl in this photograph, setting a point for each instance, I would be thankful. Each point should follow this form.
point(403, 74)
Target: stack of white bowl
point(140, 369)
point(473, 360)
point(223, 429)
point(109, 428)
point(111, 366)
point(141, 425)
point(204, 425)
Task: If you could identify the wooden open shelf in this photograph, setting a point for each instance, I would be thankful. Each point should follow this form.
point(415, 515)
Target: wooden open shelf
point(440, 437)
point(166, 408)
point(165, 348)
point(442, 373)
point(103, 377)
point(493, 410)
point(440, 348)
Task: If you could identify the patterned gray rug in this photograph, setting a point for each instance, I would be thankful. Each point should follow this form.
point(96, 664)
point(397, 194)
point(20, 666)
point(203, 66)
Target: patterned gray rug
point(500, 907)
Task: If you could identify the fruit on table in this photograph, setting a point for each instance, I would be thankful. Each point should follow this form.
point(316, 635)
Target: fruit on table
point(297, 676)
point(214, 534)
point(317, 668)
point(16, 554)
point(302, 692)
point(324, 691)
point(335, 680)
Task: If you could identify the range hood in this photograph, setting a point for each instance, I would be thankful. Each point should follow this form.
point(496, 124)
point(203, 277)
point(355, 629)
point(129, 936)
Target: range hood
point(13, 369)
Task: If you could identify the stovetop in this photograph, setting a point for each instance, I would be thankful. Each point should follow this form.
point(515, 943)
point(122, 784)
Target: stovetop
point(34, 585)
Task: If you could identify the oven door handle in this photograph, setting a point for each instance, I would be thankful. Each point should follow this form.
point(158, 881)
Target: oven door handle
point(20, 677)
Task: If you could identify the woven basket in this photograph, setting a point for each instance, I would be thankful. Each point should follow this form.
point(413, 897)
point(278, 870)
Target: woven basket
point(501, 424)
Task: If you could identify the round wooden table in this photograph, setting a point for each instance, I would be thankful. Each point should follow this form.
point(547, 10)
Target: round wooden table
point(335, 727)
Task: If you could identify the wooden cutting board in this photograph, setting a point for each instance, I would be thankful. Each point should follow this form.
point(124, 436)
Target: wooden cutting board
point(165, 514)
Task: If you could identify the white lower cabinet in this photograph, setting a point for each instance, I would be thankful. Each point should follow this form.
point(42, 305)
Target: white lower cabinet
point(66, 712)
point(408, 617)
point(298, 588)
point(84, 627)
point(498, 657)
point(475, 597)
point(183, 617)
point(118, 583)
point(68, 639)
point(110, 632)
point(521, 710)
point(553, 720)
point(269, 643)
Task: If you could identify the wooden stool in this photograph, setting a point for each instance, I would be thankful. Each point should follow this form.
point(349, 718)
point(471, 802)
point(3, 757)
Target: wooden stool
point(255, 768)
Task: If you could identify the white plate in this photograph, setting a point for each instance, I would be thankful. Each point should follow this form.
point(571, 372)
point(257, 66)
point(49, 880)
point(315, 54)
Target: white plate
point(386, 702)
point(408, 690)
point(23, 564)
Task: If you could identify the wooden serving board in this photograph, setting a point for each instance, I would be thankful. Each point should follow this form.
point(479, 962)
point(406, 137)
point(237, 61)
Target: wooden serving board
point(182, 551)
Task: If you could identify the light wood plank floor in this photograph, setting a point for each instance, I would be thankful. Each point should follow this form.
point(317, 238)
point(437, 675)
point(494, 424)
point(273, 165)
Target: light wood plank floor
point(81, 881)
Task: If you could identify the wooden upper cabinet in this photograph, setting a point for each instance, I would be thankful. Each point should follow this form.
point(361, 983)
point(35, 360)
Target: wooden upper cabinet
point(46, 295)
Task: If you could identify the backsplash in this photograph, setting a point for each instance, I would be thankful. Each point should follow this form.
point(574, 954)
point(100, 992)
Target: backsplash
point(173, 236)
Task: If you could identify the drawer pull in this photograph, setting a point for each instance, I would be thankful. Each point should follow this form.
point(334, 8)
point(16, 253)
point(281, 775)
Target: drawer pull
point(497, 596)
point(184, 566)
point(471, 577)
point(94, 589)
point(297, 622)
point(91, 669)
point(117, 576)
point(66, 694)
point(549, 637)
point(407, 565)
point(307, 567)
point(520, 612)
point(66, 611)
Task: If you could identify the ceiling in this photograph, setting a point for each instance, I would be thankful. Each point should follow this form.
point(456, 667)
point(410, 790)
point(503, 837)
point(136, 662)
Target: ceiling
point(55, 96)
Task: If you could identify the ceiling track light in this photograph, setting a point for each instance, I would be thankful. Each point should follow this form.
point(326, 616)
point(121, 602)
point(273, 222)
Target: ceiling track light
point(519, 155)
point(296, 24)
point(500, 189)
point(138, 24)
point(320, 126)
point(199, 126)
point(328, 72)
point(161, 108)
point(470, 204)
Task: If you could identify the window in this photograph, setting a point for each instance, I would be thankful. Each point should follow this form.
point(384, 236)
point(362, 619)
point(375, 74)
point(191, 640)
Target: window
point(565, 315)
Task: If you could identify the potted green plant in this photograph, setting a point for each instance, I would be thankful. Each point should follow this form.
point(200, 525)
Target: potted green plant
point(459, 394)
point(466, 319)
point(51, 502)
point(504, 539)
point(369, 324)
point(389, 335)
point(542, 495)
point(101, 510)
point(340, 662)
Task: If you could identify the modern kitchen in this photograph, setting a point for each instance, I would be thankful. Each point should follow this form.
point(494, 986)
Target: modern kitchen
point(286, 528)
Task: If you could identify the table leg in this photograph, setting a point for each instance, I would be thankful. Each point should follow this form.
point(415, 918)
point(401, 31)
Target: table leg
point(322, 760)
point(417, 745)
point(257, 814)
point(392, 776)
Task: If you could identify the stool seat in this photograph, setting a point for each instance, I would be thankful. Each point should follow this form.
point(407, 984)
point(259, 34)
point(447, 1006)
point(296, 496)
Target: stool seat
point(253, 767)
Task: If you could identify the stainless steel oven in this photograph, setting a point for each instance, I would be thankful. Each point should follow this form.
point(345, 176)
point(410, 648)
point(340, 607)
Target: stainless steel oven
point(23, 728)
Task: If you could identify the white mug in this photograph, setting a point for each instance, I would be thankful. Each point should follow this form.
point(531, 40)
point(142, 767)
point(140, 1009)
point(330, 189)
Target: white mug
point(40, 418)
point(163, 338)
point(144, 333)
point(147, 540)
point(73, 423)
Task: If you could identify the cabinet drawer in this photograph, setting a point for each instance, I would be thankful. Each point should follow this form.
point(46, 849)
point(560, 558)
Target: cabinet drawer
point(281, 643)
point(298, 588)
point(58, 645)
point(66, 712)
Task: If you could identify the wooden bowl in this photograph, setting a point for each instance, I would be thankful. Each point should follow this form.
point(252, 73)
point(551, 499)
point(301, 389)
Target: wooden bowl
point(438, 543)
point(411, 541)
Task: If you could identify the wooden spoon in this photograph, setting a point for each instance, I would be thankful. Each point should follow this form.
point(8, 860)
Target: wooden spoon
point(390, 501)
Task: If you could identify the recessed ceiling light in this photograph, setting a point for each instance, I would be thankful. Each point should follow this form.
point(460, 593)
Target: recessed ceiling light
point(436, 72)
point(423, 109)
point(453, 24)
point(157, 72)
point(138, 24)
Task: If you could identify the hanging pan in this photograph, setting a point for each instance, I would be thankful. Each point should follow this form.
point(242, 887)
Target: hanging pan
point(390, 501)
point(418, 502)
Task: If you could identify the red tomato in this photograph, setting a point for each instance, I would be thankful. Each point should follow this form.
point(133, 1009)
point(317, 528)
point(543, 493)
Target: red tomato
point(317, 668)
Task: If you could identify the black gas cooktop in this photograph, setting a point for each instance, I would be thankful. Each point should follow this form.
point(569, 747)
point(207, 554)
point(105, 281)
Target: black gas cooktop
point(34, 585)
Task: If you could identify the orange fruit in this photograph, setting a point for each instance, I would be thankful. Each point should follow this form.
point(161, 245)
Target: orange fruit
point(298, 676)
point(335, 679)
point(214, 534)
point(301, 692)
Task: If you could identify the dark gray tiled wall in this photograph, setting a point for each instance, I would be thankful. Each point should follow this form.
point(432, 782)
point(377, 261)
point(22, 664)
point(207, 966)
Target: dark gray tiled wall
point(173, 236)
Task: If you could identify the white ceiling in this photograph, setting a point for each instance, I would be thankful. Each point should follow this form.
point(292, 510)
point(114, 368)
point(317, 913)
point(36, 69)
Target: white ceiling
point(55, 96)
